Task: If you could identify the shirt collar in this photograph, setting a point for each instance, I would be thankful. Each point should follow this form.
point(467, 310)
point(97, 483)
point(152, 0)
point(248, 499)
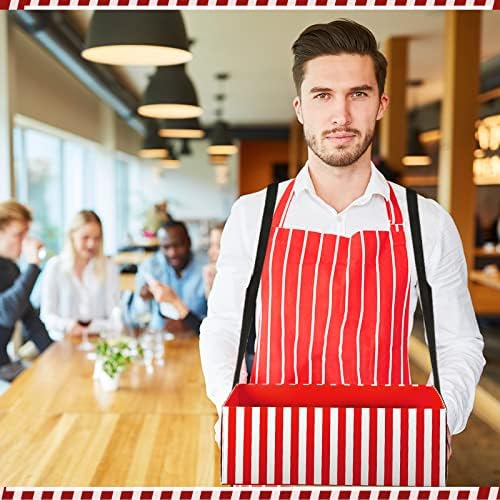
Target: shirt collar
point(376, 185)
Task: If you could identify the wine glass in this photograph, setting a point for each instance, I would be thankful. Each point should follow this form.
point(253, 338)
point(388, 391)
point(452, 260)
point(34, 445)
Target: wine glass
point(84, 320)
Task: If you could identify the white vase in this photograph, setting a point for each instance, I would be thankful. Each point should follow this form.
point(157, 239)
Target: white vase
point(109, 383)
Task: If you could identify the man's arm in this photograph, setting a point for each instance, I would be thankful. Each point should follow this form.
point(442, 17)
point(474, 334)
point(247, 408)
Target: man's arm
point(459, 342)
point(14, 300)
point(220, 330)
point(36, 329)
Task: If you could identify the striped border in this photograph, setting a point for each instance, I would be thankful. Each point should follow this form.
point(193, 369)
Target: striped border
point(473, 493)
point(265, 4)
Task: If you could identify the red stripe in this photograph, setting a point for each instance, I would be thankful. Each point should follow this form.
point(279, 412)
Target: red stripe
point(341, 447)
point(247, 446)
point(231, 445)
point(372, 454)
point(278, 447)
point(337, 314)
point(436, 447)
point(294, 448)
point(322, 304)
point(310, 451)
point(356, 456)
point(306, 306)
point(280, 208)
point(263, 445)
point(349, 344)
point(326, 455)
point(419, 453)
point(389, 447)
point(403, 472)
point(367, 337)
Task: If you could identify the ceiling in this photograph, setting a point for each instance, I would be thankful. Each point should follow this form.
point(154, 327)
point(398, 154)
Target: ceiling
point(254, 48)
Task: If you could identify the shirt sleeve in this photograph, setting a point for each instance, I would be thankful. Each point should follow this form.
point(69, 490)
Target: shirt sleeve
point(112, 321)
point(49, 304)
point(459, 342)
point(220, 330)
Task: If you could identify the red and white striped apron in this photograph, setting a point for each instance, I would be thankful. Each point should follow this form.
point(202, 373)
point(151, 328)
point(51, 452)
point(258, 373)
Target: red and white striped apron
point(334, 309)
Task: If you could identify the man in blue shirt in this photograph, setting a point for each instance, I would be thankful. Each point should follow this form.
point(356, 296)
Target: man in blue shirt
point(172, 279)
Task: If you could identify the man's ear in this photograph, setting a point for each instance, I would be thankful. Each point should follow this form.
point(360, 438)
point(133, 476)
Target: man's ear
point(298, 109)
point(384, 102)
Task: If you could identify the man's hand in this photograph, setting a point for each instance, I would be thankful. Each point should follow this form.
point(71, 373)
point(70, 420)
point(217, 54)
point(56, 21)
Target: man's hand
point(31, 250)
point(145, 293)
point(163, 293)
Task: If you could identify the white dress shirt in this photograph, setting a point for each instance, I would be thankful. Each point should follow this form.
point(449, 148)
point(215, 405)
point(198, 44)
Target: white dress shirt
point(65, 298)
point(459, 341)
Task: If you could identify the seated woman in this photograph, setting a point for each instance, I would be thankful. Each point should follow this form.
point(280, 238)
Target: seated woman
point(80, 287)
point(16, 287)
point(209, 270)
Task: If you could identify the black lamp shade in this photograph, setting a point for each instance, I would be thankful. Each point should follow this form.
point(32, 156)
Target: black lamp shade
point(170, 94)
point(153, 146)
point(189, 128)
point(128, 37)
point(222, 142)
point(416, 156)
point(172, 161)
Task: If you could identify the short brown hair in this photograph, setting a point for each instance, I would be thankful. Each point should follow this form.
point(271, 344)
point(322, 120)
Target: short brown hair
point(11, 211)
point(342, 36)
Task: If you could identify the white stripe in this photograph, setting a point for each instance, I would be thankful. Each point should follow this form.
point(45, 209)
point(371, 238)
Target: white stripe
point(283, 317)
point(349, 445)
point(493, 493)
point(377, 324)
point(269, 297)
point(391, 206)
point(365, 444)
point(271, 436)
point(287, 435)
point(362, 307)
point(297, 310)
point(285, 211)
point(394, 276)
point(396, 445)
point(254, 471)
point(404, 328)
point(302, 445)
point(240, 426)
point(412, 446)
point(225, 444)
point(195, 494)
point(318, 444)
point(334, 431)
point(380, 445)
point(345, 311)
point(313, 310)
point(428, 447)
point(330, 301)
point(442, 451)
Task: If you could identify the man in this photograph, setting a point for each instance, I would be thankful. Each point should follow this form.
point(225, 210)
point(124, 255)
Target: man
point(339, 285)
point(16, 287)
point(173, 276)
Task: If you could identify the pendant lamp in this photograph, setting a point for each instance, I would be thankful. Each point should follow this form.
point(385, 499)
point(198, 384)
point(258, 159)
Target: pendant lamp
point(172, 161)
point(189, 128)
point(131, 37)
point(153, 146)
point(170, 94)
point(221, 140)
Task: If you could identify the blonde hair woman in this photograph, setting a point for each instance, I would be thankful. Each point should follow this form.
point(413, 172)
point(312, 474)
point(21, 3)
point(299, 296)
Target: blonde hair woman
point(80, 287)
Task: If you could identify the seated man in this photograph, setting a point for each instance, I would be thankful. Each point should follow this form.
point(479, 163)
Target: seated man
point(16, 287)
point(172, 277)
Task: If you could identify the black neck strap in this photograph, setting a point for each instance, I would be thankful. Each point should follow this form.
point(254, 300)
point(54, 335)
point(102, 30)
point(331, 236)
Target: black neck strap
point(425, 289)
point(248, 323)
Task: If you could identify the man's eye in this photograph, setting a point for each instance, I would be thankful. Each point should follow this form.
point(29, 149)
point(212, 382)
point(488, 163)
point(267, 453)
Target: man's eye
point(321, 96)
point(359, 94)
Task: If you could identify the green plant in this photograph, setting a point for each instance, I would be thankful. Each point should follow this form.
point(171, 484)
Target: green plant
point(116, 355)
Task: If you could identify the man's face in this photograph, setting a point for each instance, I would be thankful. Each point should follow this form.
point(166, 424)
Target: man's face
point(339, 105)
point(175, 246)
point(11, 239)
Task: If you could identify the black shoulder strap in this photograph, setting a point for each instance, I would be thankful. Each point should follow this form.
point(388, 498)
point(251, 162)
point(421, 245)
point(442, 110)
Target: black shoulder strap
point(248, 323)
point(425, 289)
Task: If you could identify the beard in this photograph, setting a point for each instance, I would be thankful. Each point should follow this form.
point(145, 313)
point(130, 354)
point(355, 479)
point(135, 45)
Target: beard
point(341, 156)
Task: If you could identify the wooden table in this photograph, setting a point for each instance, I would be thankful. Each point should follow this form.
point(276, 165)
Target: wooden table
point(59, 428)
point(136, 258)
point(127, 282)
point(482, 278)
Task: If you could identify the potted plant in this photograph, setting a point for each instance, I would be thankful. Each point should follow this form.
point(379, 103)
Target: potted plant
point(113, 357)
